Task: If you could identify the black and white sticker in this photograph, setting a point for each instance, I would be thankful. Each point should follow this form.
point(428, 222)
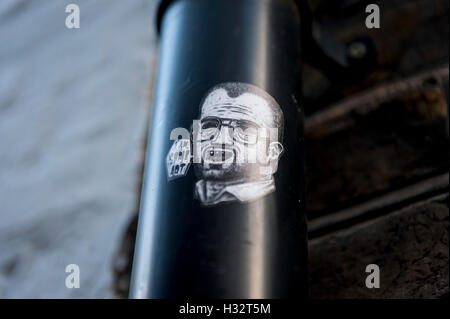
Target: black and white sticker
point(234, 146)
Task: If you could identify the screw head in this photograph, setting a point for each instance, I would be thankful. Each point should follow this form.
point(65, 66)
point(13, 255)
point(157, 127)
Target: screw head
point(357, 50)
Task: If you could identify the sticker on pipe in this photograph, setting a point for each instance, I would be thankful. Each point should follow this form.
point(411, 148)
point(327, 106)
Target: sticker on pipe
point(234, 146)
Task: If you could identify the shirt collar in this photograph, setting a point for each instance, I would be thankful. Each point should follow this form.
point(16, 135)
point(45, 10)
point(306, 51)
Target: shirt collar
point(243, 192)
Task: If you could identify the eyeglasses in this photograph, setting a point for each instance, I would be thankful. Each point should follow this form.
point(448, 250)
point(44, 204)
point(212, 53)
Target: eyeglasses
point(243, 131)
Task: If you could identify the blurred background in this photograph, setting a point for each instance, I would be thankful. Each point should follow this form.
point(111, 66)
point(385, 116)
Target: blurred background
point(75, 106)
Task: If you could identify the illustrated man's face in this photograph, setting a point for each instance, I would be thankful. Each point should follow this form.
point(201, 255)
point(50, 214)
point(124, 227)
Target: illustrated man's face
point(238, 137)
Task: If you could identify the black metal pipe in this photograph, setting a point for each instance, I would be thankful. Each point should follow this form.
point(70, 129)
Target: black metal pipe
point(211, 224)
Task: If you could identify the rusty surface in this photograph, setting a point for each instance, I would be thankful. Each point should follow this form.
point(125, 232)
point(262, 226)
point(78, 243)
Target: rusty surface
point(361, 155)
point(410, 247)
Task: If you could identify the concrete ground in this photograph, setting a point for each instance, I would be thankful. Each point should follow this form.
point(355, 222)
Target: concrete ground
point(74, 108)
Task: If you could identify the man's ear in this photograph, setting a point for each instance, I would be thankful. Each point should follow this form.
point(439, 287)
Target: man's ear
point(275, 150)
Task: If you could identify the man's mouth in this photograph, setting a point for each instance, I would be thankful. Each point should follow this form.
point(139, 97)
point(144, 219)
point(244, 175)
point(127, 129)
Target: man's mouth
point(215, 155)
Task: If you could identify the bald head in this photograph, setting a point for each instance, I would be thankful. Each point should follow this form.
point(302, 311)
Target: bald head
point(243, 101)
